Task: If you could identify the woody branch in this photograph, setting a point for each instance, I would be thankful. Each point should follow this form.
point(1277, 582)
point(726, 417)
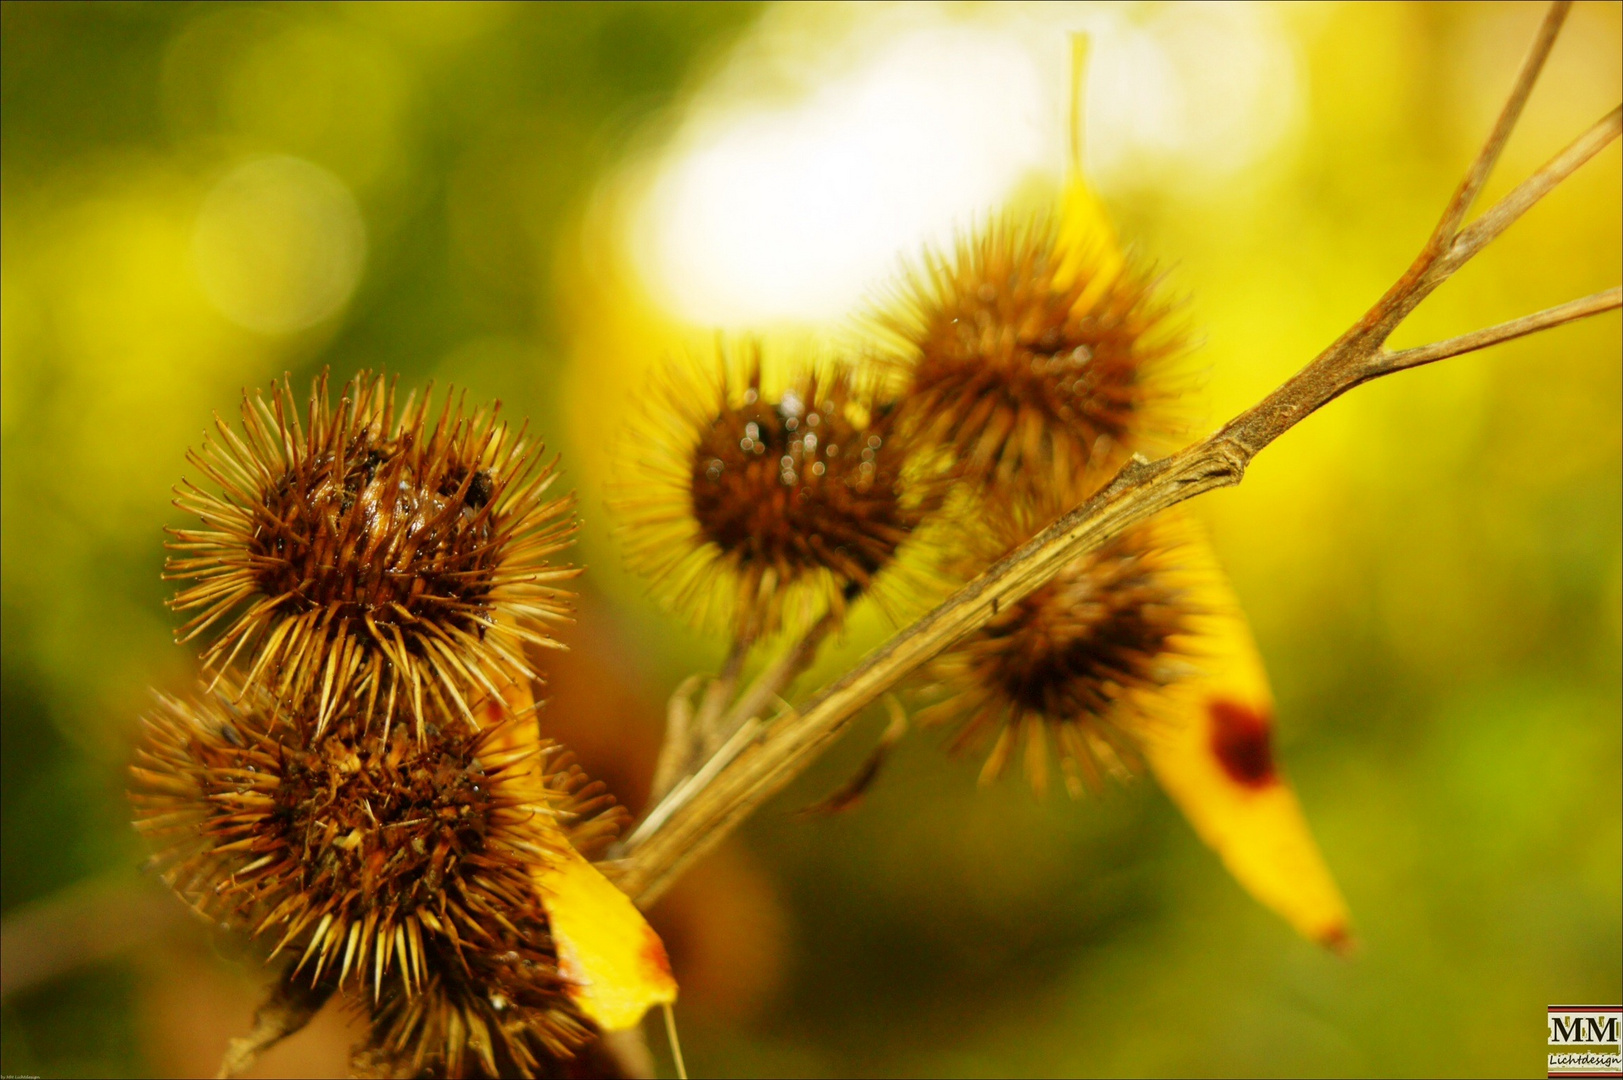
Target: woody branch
point(695, 816)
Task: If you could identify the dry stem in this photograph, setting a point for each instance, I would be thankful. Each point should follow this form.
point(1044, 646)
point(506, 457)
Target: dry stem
point(693, 819)
point(709, 722)
point(770, 684)
point(290, 1006)
point(694, 744)
point(676, 753)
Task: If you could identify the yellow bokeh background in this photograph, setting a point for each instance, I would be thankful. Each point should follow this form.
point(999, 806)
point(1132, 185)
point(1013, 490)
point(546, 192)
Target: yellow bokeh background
point(542, 203)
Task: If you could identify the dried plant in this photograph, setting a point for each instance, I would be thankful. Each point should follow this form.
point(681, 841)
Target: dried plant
point(401, 868)
point(365, 554)
point(369, 568)
point(773, 747)
point(1035, 355)
point(750, 504)
point(370, 790)
point(1073, 660)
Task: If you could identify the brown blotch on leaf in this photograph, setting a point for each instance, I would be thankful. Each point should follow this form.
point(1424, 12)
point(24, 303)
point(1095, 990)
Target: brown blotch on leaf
point(653, 951)
point(1339, 940)
point(1242, 743)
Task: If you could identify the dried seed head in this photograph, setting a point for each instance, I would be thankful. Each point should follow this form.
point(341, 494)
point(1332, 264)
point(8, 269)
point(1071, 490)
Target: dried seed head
point(361, 555)
point(1074, 660)
point(749, 505)
point(398, 864)
point(500, 1015)
point(1033, 354)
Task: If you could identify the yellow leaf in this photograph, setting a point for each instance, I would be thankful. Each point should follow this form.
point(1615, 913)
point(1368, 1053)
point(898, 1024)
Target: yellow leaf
point(1086, 244)
point(614, 961)
point(613, 958)
point(1211, 748)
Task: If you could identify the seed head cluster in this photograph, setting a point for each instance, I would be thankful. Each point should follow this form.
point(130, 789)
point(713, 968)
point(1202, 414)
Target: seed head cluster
point(395, 864)
point(361, 785)
point(1032, 359)
point(1006, 379)
point(357, 786)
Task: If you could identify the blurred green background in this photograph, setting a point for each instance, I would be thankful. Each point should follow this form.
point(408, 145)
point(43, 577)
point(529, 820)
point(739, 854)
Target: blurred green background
point(198, 197)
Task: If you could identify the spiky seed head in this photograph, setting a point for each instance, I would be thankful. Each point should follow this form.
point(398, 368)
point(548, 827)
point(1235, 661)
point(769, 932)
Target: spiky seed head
point(750, 505)
point(1037, 359)
point(1073, 663)
point(502, 1013)
point(399, 865)
point(371, 554)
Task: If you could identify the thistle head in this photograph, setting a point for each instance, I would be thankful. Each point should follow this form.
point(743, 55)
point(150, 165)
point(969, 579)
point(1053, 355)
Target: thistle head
point(1034, 354)
point(504, 1014)
point(748, 503)
point(371, 554)
point(398, 865)
point(1071, 666)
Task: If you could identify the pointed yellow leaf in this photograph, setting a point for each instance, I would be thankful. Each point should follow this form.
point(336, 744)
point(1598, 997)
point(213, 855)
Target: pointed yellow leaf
point(512, 730)
point(610, 954)
point(607, 950)
point(615, 962)
point(1211, 748)
point(1086, 245)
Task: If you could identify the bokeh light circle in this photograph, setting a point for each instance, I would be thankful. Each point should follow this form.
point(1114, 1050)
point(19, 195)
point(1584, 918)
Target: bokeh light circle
point(279, 245)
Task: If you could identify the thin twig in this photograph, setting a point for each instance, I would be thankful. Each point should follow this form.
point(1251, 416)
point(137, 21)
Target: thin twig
point(770, 684)
point(1571, 311)
point(853, 790)
point(676, 752)
point(705, 814)
point(1484, 229)
point(1477, 176)
point(692, 737)
point(290, 1006)
point(1328, 375)
point(1442, 253)
point(681, 749)
point(693, 785)
point(707, 726)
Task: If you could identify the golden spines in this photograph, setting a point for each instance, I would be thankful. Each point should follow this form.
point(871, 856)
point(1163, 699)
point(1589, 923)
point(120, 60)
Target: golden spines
point(362, 784)
point(371, 555)
point(1032, 356)
point(752, 499)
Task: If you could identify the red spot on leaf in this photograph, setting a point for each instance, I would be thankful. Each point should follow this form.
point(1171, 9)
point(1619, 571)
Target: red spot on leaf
point(653, 952)
point(1242, 743)
point(1338, 940)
